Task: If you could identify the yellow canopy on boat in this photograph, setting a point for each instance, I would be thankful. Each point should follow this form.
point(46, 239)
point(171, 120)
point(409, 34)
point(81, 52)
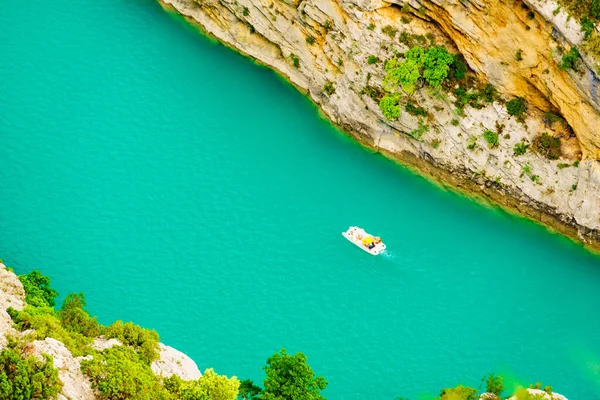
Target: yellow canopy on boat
point(367, 240)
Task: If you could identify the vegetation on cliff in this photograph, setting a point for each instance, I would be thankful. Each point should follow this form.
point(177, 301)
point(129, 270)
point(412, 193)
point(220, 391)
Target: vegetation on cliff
point(124, 372)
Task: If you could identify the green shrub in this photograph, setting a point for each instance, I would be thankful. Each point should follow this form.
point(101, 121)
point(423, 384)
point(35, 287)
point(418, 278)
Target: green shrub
point(45, 323)
point(454, 122)
point(328, 25)
point(295, 60)
point(245, 12)
point(310, 39)
point(208, 387)
point(520, 148)
point(389, 30)
point(74, 318)
point(517, 107)
point(576, 163)
point(372, 59)
point(595, 9)
point(290, 377)
point(433, 64)
point(420, 131)
point(23, 378)
point(117, 373)
point(548, 146)
point(459, 393)
point(549, 118)
point(519, 55)
point(329, 88)
point(389, 106)
point(415, 110)
point(248, 390)
point(494, 384)
point(491, 137)
point(587, 27)
point(371, 26)
point(570, 59)
point(459, 67)
point(435, 143)
point(37, 289)
point(144, 341)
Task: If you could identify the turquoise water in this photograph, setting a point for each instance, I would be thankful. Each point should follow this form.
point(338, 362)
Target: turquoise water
point(180, 186)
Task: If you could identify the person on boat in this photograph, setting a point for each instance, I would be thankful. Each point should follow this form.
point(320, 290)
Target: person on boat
point(368, 242)
point(377, 240)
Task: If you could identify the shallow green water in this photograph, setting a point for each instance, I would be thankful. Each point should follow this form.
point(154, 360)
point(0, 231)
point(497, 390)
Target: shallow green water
point(180, 186)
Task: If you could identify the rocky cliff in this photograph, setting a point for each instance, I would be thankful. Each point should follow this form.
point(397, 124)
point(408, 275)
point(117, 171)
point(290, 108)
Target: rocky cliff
point(77, 386)
point(335, 50)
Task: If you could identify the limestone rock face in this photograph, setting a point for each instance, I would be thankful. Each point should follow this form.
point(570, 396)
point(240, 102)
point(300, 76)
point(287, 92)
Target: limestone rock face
point(489, 33)
point(315, 43)
point(174, 362)
point(543, 395)
point(76, 386)
point(12, 295)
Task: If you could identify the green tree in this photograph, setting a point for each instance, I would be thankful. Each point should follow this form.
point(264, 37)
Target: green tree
point(37, 289)
point(436, 64)
point(75, 318)
point(27, 378)
point(459, 393)
point(118, 374)
point(290, 378)
point(209, 386)
point(144, 341)
point(494, 384)
point(516, 107)
point(249, 391)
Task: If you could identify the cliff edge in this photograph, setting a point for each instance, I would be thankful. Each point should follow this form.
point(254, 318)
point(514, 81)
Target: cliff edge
point(538, 157)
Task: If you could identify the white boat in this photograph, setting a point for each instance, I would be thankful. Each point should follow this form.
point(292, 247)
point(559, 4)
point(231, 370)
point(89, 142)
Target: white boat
point(369, 243)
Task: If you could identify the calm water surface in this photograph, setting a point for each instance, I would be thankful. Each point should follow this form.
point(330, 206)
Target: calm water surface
point(180, 186)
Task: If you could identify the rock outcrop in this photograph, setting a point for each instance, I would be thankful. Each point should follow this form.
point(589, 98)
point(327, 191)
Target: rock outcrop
point(174, 362)
point(323, 48)
point(76, 386)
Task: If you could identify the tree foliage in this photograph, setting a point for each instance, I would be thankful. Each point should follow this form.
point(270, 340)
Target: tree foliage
point(118, 374)
point(389, 106)
point(517, 107)
point(144, 341)
point(37, 289)
point(290, 378)
point(494, 384)
point(431, 64)
point(25, 378)
point(210, 386)
point(459, 393)
point(75, 318)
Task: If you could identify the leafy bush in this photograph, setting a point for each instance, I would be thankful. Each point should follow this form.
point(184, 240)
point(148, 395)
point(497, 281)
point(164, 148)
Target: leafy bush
point(420, 131)
point(144, 341)
point(516, 107)
point(208, 387)
point(329, 88)
point(290, 377)
point(587, 27)
point(459, 67)
point(27, 378)
point(415, 110)
point(389, 30)
point(310, 39)
point(38, 290)
point(433, 64)
point(548, 146)
point(491, 137)
point(117, 373)
point(570, 59)
point(519, 55)
point(494, 384)
point(249, 391)
point(520, 148)
point(372, 59)
point(459, 393)
point(371, 26)
point(74, 318)
point(389, 106)
point(549, 118)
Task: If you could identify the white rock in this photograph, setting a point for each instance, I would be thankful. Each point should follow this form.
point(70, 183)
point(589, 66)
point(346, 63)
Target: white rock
point(76, 386)
point(174, 362)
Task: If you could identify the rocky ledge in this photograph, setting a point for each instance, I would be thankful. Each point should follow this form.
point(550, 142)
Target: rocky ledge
point(334, 51)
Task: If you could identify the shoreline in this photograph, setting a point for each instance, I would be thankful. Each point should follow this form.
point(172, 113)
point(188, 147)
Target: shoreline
point(479, 189)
